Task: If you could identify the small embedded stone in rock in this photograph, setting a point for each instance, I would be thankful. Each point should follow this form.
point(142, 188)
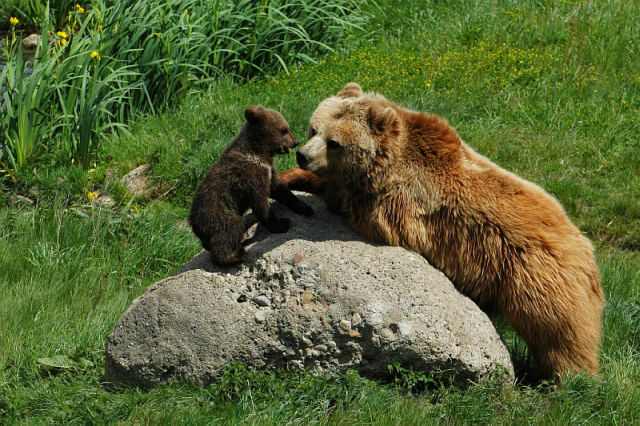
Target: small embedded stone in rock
point(385, 333)
point(261, 315)
point(262, 300)
point(321, 348)
point(307, 296)
point(356, 320)
point(404, 329)
point(299, 257)
point(345, 325)
point(312, 353)
point(324, 321)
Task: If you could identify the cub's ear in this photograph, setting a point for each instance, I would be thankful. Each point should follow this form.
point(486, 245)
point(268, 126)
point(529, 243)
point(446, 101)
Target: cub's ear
point(382, 118)
point(254, 114)
point(351, 90)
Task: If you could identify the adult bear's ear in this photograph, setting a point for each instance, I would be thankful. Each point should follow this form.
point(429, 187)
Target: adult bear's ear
point(254, 114)
point(382, 118)
point(351, 90)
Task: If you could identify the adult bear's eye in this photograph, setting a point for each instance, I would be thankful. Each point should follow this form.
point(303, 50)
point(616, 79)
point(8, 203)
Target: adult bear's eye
point(331, 144)
point(312, 132)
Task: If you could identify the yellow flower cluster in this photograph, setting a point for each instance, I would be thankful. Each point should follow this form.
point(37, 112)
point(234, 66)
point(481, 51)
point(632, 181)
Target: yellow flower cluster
point(63, 38)
point(14, 21)
point(79, 8)
point(95, 55)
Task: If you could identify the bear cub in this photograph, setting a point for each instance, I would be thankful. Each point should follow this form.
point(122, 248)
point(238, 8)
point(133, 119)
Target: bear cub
point(244, 177)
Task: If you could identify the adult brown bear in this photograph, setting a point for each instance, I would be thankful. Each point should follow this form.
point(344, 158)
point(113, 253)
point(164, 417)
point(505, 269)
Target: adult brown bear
point(406, 178)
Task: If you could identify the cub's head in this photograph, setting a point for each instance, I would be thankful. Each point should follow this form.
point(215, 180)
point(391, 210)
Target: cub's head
point(351, 135)
point(268, 131)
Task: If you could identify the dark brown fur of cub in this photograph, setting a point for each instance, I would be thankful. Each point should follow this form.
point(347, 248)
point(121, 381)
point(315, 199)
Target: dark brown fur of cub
point(244, 177)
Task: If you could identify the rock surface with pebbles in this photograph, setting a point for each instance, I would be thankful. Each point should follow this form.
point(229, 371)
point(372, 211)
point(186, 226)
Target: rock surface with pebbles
point(317, 297)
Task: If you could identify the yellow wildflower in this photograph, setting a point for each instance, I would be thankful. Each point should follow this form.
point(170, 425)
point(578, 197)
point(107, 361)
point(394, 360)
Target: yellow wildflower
point(95, 55)
point(14, 21)
point(99, 27)
point(63, 42)
point(428, 84)
point(92, 196)
point(79, 8)
point(62, 34)
point(115, 29)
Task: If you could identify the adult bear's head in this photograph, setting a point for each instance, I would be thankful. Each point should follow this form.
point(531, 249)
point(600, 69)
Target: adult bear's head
point(352, 135)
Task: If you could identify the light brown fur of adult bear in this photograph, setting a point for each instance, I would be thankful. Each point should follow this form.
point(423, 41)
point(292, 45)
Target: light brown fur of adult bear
point(406, 178)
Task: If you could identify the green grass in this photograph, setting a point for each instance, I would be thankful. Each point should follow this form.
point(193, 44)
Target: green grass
point(548, 90)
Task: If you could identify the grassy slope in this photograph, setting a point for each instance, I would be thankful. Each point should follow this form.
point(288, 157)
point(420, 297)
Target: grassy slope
point(549, 92)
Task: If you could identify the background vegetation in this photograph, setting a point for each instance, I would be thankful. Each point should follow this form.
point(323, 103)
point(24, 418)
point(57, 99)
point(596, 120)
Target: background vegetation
point(33, 14)
point(98, 63)
point(548, 90)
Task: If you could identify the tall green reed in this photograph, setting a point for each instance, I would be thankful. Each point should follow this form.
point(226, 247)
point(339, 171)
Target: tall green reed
point(113, 59)
point(25, 121)
point(93, 91)
point(33, 14)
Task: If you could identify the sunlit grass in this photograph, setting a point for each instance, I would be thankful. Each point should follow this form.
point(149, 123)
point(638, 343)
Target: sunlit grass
point(566, 117)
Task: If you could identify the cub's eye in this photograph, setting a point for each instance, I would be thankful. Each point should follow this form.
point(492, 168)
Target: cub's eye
point(284, 131)
point(331, 144)
point(312, 132)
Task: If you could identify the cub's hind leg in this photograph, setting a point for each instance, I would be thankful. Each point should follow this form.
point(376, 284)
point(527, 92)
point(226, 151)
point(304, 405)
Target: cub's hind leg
point(226, 244)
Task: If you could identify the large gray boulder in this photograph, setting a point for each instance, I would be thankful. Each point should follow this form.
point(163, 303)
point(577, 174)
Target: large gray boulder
point(316, 297)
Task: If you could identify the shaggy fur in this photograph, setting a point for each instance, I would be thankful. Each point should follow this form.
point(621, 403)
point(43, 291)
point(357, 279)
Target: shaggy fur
point(406, 178)
point(244, 177)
